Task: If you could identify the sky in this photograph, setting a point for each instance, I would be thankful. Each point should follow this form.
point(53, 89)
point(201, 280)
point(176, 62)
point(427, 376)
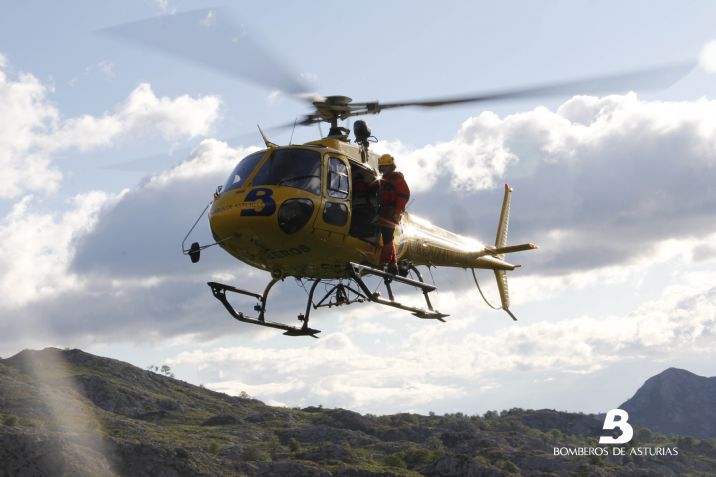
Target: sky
point(109, 152)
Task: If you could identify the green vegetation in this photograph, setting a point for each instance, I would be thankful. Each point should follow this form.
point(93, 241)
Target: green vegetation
point(294, 445)
point(158, 425)
point(163, 369)
point(394, 460)
point(11, 420)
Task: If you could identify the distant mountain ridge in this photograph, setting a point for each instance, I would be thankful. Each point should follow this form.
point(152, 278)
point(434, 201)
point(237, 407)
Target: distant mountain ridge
point(675, 401)
point(67, 412)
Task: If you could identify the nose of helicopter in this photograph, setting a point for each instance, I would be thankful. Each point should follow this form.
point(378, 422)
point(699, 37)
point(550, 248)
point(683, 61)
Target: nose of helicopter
point(273, 207)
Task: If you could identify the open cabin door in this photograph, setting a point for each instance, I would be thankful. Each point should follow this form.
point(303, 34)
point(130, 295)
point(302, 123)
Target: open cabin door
point(364, 204)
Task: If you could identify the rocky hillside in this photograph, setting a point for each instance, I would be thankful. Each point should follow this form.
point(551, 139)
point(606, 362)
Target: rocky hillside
point(675, 402)
point(72, 413)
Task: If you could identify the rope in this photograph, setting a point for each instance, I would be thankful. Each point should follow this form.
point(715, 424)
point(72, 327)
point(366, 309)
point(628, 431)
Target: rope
point(432, 279)
point(474, 277)
point(375, 290)
point(301, 284)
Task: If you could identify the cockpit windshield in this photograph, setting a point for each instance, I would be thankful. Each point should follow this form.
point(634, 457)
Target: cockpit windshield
point(242, 170)
point(299, 168)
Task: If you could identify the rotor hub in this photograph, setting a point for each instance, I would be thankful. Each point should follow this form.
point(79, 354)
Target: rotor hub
point(337, 100)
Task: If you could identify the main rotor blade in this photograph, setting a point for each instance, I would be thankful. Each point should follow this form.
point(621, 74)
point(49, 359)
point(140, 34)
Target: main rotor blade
point(652, 78)
point(210, 38)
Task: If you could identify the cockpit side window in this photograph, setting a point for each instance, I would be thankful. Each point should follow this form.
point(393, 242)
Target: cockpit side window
point(242, 171)
point(337, 178)
point(299, 168)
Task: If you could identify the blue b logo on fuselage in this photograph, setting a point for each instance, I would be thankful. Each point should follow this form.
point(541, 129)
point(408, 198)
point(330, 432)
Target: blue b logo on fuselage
point(262, 195)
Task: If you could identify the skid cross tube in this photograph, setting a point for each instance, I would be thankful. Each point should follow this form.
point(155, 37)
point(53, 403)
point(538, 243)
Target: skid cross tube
point(356, 272)
point(342, 298)
point(425, 291)
point(219, 290)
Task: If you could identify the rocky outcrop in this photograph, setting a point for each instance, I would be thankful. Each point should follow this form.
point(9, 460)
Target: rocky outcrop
point(675, 401)
point(28, 453)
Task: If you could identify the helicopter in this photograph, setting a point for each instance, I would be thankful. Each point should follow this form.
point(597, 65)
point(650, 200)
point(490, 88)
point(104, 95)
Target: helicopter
point(303, 211)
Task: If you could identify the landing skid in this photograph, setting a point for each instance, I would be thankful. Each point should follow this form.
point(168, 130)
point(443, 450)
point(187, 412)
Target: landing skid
point(219, 290)
point(357, 272)
point(338, 294)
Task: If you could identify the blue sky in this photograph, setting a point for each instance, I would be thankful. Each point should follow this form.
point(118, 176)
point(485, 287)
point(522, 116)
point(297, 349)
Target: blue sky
point(616, 189)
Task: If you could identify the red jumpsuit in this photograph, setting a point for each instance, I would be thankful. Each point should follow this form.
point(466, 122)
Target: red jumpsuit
point(393, 196)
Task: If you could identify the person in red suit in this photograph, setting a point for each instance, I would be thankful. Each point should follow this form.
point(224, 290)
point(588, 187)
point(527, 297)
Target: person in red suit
point(393, 196)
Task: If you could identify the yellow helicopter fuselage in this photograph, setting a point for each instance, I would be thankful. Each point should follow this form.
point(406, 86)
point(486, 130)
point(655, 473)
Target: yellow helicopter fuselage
point(308, 211)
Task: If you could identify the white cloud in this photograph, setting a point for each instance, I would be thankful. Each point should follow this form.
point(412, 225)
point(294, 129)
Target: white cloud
point(308, 76)
point(707, 57)
point(437, 364)
point(273, 97)
point(141, 114)
point(106, 67)
point(599, 182)
point(32, 129)
point(585, 132)
point(112, 265)
point(209, 20)
point(165, 7)
point(141, 234)
point(39, 248)
point(27, 115)
point(132, 259)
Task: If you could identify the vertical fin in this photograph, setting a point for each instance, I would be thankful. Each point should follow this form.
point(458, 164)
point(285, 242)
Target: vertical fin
point(501, 239)
point(501, 278)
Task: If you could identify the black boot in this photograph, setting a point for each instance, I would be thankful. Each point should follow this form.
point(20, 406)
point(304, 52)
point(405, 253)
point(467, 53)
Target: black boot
point(403, 269)
point(392, 268)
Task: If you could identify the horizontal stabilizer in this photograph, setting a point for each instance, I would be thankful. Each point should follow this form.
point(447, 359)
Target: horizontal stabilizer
point(512, 248)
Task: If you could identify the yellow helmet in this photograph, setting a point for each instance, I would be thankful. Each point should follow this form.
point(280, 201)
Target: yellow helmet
point(386, 160)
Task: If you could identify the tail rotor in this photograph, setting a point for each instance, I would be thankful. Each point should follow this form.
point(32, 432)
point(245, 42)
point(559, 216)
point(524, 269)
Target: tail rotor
point(501, 248)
